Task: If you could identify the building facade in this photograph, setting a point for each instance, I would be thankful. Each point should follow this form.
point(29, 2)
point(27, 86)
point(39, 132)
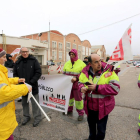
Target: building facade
point(51, 45)
point(100, 50)
point(36, 47)
point(60, 45)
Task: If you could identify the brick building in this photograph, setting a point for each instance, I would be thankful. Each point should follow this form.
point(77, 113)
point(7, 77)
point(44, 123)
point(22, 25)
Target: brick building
point(51, 45)
point(60, 45)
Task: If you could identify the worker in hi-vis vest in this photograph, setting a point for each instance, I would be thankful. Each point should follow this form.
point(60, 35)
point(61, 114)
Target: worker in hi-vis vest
point(73, 67)
point(100, 84)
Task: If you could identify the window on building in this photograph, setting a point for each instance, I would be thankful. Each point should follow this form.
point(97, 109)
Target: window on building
point(67, 57)
point(86, 51)
point(83, 56)
point(89, 51)
point(68, 47)
point(60, 55)
point(83, 52)
point(79, 52)
point(54, 44)
point(74, 46)
point(54, 55)
point(60, 45)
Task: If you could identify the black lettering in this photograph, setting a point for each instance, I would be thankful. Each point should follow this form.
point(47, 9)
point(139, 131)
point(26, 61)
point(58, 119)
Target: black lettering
point(43, 87)
point(46, 98)
point(51, 90)
point(63, 97)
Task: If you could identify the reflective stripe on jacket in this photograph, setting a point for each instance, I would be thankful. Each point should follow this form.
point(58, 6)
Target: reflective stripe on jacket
point(8, 93)
point(103, 96)
point(139, 81)
point(74, 69)
point(139, 122)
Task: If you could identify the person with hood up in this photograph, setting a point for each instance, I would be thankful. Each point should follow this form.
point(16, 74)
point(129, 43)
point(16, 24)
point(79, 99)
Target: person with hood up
point(100, 84)
point(9, 63)
point(9, 91)
point(73, 67)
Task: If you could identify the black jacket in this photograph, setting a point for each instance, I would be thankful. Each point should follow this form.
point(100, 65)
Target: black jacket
point(9, 63)
point(29, 69)
point(86, 62)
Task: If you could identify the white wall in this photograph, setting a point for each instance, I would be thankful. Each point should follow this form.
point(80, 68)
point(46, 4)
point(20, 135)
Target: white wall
point(25, 42)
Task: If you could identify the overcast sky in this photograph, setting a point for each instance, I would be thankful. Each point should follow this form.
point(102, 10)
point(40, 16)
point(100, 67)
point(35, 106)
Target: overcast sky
point(23, 17)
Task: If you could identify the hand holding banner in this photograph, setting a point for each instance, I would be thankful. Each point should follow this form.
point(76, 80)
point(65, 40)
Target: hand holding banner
point(31, 95)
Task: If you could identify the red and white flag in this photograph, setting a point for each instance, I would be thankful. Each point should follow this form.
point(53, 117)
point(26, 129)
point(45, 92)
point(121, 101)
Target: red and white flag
point(123, 51)
point(16, 51)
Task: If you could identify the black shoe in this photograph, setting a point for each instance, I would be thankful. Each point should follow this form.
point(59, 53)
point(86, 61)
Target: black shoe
point(80, 118)
point(36, 123)
point(68, 113)
point(25, 121)
point(64, 113)
point(19, 100)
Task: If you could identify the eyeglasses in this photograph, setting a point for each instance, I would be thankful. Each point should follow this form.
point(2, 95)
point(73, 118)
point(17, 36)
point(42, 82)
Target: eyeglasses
point(24, 51)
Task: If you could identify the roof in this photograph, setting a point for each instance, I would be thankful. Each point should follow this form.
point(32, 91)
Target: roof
point(94, 50)
point(56, 32)
point(101, 47)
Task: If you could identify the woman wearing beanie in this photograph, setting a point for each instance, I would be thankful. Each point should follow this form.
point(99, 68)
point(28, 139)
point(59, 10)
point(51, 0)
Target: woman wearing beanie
point(9, 91)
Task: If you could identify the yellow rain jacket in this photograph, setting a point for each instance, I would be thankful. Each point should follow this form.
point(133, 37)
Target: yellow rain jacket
point(8, 93)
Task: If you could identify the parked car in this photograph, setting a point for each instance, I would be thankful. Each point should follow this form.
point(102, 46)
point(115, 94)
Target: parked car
point(124, 62)
point(129, 62)
point(138, 65)
point(50, 63)
point(135, 63)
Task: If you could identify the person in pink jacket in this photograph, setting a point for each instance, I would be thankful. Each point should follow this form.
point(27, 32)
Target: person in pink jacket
point(73, 67)
point(100, 84)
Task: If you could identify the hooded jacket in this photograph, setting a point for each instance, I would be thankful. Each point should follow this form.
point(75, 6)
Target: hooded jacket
point(74, 67)
point(9, 63)
point(8, 93)
point(29, 69)
point(102, 98)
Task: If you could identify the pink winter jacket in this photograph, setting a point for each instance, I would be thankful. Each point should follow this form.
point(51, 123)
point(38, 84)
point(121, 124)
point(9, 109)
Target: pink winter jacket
point(103, 105)
point(75, 84)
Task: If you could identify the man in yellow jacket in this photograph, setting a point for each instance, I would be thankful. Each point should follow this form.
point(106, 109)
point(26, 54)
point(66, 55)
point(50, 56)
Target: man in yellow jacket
point(9, 91)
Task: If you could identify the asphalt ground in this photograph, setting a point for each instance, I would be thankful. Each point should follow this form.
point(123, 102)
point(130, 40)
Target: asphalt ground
point(122, 123)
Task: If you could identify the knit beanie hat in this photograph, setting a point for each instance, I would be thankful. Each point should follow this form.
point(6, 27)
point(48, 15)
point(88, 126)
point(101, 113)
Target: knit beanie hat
point(2, 52)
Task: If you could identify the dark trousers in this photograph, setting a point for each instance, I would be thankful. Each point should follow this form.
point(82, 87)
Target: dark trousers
point(35, 109)
point(97, 127)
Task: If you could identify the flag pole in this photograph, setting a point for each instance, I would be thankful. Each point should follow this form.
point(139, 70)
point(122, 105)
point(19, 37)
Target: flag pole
point(40, 107)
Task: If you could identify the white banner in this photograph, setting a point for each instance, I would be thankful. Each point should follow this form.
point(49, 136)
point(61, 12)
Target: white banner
point(54, 90)
point(10, 72)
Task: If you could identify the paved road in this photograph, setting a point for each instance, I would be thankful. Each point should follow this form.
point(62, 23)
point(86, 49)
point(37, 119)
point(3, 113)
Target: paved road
point(122, 123)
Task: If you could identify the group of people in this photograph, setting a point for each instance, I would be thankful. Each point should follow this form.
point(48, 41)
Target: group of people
point(97, 80)
point(25, 70)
